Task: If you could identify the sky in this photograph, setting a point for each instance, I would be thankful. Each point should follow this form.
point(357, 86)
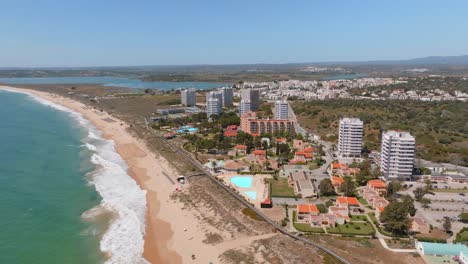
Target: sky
point(45, 33)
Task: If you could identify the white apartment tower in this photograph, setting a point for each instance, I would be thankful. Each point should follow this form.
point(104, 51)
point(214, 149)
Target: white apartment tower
point(350, 137)
point(228, 96)
point(253, 96)
point(281, 110)
point(244, 107)
point(188, 97)
point(218, 95)
point(397, 155)
point(213, 107)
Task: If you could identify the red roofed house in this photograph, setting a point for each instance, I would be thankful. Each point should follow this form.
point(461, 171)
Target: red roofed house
point(241, 149)
point(377, 185)
point(260, 155)
point(303, 156)
point(337, 181)
point(304, 211)
point(231, 131)
point(349, 202)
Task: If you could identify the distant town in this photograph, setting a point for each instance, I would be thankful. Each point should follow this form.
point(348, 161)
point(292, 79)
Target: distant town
point(312, 186)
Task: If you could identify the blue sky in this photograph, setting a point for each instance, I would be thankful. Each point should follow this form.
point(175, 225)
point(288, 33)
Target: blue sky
point(150, 32)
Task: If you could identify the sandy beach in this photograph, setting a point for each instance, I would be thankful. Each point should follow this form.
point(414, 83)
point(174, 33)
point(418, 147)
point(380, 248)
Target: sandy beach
point(173, 235)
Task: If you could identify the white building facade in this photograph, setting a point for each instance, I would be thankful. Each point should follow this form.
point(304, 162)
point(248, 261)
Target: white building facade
point(244, 107)
point(213, 107)
point(397, 155)
point(281, 110)
point(188, 97)
point(350, 137)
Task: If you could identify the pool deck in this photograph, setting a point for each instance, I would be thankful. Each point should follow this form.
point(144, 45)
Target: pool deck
point(258, 186)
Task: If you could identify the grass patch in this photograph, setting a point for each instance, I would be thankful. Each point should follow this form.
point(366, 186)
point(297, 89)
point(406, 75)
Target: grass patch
point(462, 236)
point(358, 218)
point(281, 188)
point(353, 228)
point(363, 201)
point(252, 214)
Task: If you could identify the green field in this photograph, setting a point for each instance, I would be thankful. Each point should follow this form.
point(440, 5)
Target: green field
point(281, 188)
point(353, 228)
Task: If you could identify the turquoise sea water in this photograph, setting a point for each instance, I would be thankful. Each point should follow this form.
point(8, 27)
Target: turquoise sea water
point(65, 196)
point(112, 81)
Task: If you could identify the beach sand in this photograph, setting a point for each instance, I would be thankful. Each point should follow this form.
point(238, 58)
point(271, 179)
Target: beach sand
point(173, 235)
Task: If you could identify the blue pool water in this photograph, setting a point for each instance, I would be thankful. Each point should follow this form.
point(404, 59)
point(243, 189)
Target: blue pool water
point(251, 195)
point(188, 129)
point(242, 181)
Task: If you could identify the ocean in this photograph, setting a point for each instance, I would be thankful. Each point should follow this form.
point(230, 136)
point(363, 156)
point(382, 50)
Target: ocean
point(65, 196)
point(113, 82)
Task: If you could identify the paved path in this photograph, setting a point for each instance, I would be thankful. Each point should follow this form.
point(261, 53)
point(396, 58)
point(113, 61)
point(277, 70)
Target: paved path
point(384, 244)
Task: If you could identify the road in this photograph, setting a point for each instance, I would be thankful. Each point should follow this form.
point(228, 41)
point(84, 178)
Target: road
point(195, 163)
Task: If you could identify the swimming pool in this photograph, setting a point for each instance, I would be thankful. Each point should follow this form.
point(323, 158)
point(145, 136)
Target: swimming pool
point(251, 195)
point(242, 181)
point(187, 129)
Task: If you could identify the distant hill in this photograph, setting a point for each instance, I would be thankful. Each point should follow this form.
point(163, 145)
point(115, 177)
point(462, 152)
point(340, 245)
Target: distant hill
point(431, 60)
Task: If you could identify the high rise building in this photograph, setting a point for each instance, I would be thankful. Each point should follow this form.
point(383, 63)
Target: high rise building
point(250, 124)
point(228, 96)
point(218, 95)
point(397, 155)
point(213, 106)
point(350, 137)
point(188, 97)
point(281, 109)
point(253, 96)
point(244, 107)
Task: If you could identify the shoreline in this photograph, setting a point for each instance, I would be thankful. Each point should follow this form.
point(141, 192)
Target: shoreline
point(161, 245)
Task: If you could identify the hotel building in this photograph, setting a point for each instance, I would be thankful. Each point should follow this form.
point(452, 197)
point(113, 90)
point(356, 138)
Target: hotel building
point(253, 96)
point(252, 125)
point(397, 155)
point(188, 97)
point(281, 109)
point(350, 137)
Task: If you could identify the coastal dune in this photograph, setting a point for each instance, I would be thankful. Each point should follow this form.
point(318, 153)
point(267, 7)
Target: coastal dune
point(171, 234)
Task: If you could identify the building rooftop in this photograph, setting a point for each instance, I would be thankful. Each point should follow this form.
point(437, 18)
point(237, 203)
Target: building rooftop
point(307, 208)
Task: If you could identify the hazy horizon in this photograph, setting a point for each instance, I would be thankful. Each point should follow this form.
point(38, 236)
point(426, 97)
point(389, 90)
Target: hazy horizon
point(107, 33)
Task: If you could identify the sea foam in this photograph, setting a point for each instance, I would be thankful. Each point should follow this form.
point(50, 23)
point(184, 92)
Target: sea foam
point(121, 195)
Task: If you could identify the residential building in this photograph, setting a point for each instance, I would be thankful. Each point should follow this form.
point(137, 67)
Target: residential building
point(397, 155)
point(350, 137)
point(231, 131)
point(228, 96)
point(253, 96)
point(323, 220)
point(303, 184)
point(213, 107)
point(216, 94)
point(241, 149)
point(377, 185)
point(252, 125)
point(304, 211)
point(188, 97)
point(244, 107)
point(281, 109)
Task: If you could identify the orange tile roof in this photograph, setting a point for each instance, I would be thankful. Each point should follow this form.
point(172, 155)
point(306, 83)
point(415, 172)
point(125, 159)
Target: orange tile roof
point(381, 209)
point(259, 152)
point(240, 147)
point(231, 131)
point(336, 179)
point(348, 200)
point(281, 139)
point(339, 166)
point(307, 208)
point(376, 184)
point(309, 150)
